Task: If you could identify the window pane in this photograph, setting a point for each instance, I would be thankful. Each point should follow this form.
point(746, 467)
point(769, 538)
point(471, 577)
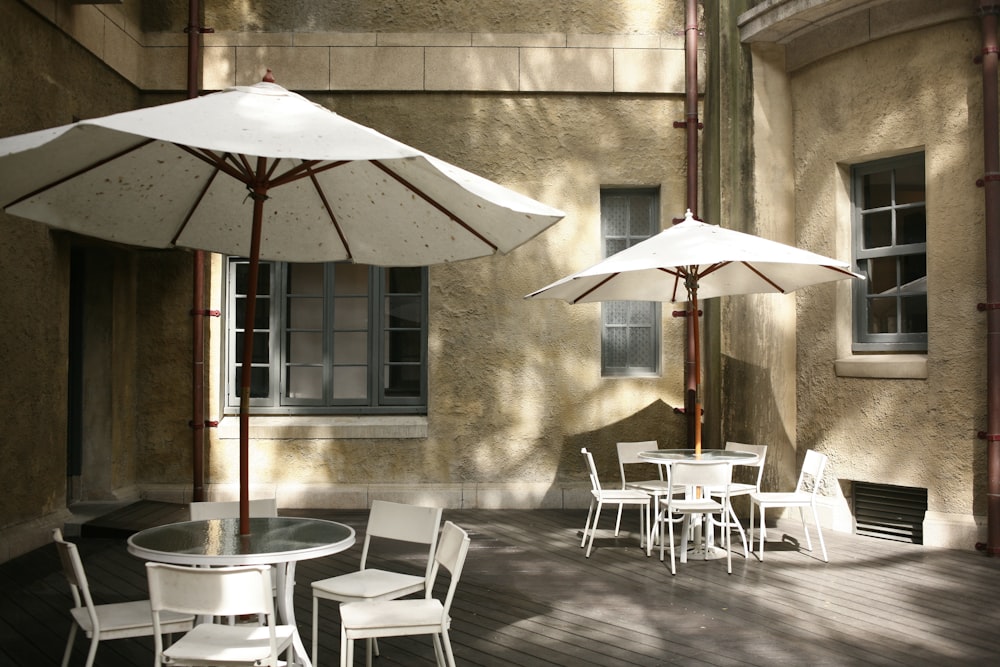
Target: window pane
point(639, 346)
point(910, 184)
point(877, 230)
point(882, 315)
point(614, 246)
point(305, 312)
point(616, 312)
point(639, 221)
point(305, 382)
point(402, 346)
point(261, 315)
point(261, 347)
point(350, 313)
point(305, 279)
point(403, 311)
point(616, 348)
point(305, 347)
point(878, 189)
point(402, 381)
point(407, 280)
point(263, 278)
point(914, 314)
point(911, 226)
point(259, 382)
point(882, 275)
point(913, 272)
point(350, 347)
point(350, 278)
point(350, 382)
point(641, 313)
point(614, 216)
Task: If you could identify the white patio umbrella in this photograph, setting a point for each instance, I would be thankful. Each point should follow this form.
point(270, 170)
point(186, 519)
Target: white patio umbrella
point(263, 173)
point(693, 260)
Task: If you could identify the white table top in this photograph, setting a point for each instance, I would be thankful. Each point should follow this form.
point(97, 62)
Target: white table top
point(218, 542)
point(707, 456)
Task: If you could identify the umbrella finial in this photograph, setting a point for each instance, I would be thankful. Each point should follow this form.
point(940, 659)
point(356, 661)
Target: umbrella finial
point(268, 76)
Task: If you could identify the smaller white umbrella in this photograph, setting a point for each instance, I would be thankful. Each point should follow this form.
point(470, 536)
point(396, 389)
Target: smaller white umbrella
point(693, 260)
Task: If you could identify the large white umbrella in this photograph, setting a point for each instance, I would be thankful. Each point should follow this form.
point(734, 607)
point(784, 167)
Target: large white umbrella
point(693, 260)
point(263, 173)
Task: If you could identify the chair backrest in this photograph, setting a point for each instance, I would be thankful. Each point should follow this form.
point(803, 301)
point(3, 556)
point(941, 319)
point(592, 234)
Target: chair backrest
point(595, 481)
point(811, 475)
point(628, 454)
point(210, 591)
point(759, 450)
point(76, 577)
point(716, 475)
point(230, 509)
point(451, 553)
point(406, 523)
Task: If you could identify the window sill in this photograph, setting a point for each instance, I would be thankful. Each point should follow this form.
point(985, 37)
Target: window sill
point(317, 427)
point(883, 366)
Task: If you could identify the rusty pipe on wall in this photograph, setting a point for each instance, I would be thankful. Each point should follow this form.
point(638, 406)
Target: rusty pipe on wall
point(194, 32)
point(988, 11)
point(692, 408)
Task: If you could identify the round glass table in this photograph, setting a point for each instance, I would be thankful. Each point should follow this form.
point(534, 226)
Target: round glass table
point(276, 541)
point(703, 544)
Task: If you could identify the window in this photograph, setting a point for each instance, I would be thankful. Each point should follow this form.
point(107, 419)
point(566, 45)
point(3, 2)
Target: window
point(331, 338)
point(890, 249)
point(630, 337)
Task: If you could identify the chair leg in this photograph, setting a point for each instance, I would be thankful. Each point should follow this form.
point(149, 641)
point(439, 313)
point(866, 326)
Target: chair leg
point(739, 527)
point(449, 655)
point(805, 528)
point(728, 537)
point(346, 648)
point(69, 644)
point(586, 526)
point(92, 653)
point(593, 528)
point(670, 525)
point(315, 635)
point(618, 520)
point(819, 533)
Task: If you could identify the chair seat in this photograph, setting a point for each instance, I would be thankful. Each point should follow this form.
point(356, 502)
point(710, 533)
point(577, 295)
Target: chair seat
point(737, 489)
point(786, 499)
point(658, 486)
point(615, 495)
point(129, 619)
point(212, 644)
point(393, 617)
point(368, 584)
point(695, 505)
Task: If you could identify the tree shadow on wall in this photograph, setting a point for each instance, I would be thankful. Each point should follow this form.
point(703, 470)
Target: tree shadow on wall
point(657, 421)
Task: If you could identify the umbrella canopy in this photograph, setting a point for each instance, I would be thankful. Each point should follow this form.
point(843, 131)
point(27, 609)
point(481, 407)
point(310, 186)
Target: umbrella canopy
point(693, 260)
point(263, 173)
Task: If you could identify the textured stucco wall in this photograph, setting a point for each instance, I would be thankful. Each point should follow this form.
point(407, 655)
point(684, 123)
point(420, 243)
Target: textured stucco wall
point(38, 64)
point(515, 386)
point(853, 107)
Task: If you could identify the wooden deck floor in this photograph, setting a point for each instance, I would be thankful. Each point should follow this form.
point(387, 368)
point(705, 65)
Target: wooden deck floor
point(529, 597)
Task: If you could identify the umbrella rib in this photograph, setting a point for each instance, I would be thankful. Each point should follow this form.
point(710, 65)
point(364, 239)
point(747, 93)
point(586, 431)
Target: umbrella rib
point(430, 200)
point(329, 211)
point(94, 165)
point(593, 289)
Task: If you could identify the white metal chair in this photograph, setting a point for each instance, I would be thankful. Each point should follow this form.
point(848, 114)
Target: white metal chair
point(218, 591)
point(389, 521)
point(628, 455)
point(106, 621)
point(230, 509)
point(423, 616)
point(696, 476)
point(620, 497)
point(744, 488)
point(804, 495)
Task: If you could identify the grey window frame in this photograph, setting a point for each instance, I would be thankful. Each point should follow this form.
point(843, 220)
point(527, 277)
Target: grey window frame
point(899, 341)
point(273, 321)
point(633, 309)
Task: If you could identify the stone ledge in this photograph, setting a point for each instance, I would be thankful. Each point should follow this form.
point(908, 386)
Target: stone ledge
point(884, 366)
point(283, 427)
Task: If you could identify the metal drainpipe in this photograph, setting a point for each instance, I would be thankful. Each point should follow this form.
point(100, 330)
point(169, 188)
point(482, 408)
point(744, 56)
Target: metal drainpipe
point(692, 408)
point(194, 31)
point(988, 10)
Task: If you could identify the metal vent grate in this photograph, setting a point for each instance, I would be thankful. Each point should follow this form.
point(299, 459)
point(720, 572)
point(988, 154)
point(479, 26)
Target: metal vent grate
point(890, 512)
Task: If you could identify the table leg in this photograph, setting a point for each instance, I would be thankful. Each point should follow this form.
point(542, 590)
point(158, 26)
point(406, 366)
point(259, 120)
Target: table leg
point(286, 609)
